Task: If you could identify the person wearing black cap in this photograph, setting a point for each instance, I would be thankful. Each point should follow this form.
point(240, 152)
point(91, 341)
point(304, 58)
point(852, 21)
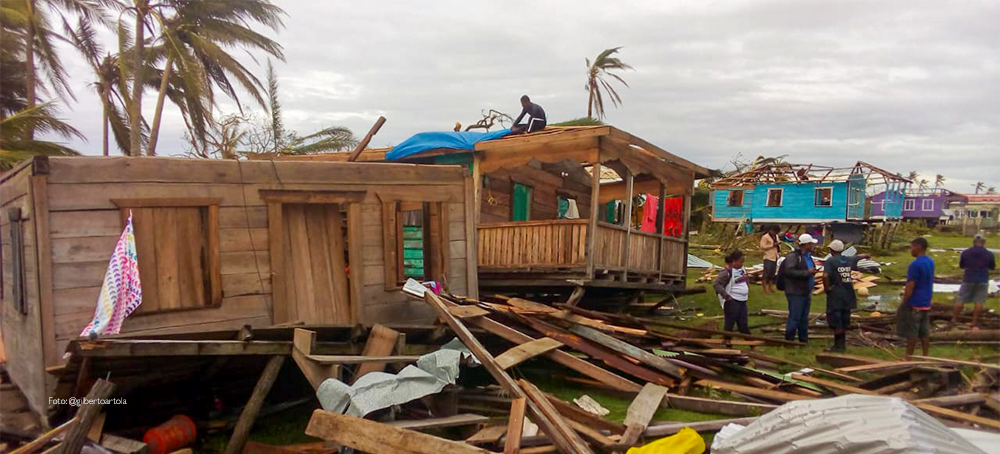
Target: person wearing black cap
point(536, 117)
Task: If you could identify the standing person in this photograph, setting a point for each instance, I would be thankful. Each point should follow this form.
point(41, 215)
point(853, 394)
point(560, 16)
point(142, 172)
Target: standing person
point(840, 297)
point(769, 245)
point(733, 289)
point(913, 317)
point(977, 261)
point(797, 278)
point(536, 117)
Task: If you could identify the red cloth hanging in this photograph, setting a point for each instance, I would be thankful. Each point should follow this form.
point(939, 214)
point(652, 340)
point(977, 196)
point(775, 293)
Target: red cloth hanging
point(673, 215)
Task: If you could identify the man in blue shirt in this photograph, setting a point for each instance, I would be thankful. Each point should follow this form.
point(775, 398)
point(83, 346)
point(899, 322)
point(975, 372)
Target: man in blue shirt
point(977, 261)
point(797, 278)
point(913, 317)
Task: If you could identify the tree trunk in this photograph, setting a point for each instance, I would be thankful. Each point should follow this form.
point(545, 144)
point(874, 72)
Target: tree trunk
point(590, 102)
point(154, 131)
point(104, 123)
point(139, 64)
point(29, 57)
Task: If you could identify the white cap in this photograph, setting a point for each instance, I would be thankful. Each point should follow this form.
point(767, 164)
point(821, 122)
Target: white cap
point(806, 238)
point(837, 245)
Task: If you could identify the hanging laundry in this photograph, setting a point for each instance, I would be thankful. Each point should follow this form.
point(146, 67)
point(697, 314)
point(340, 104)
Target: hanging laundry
point(121, 292)
point(649, 213)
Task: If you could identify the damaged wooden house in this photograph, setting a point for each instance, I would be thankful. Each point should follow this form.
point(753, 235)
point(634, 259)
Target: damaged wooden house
point(222, 244)
point(558, 209)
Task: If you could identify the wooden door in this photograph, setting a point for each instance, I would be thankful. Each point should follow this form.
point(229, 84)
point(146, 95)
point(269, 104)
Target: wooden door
point(314, 272)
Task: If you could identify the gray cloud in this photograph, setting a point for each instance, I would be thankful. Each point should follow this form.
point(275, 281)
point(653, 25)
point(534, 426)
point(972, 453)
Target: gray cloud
point(906, 85)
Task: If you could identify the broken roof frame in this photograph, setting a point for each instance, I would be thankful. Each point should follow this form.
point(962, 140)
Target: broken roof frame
point(809, 173)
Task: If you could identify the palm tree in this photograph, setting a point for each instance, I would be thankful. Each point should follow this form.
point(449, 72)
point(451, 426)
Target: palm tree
point(30, 19)
point(922, 184)
point(16, 142)
point(979, 186)
point(597, 72)
point(938, 180)
point(335, 138)
point(991, 190)
point(192, 42)
point(912, 176)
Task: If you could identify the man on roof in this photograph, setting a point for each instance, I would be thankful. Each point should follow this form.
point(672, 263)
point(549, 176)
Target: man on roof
point(536, 117)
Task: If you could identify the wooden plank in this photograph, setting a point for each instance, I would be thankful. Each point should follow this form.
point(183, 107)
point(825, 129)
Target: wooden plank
point(166, 202)
point(40, 210)
point(597, 373)
point(536, 396)
point(721, 407)
point(757, 392)
point(885, 366)
point(839, 388)
point(471, 238)
point(355, 359)
point(190, 277)
point(591, 240)
point(368, 138)
point(390, 245)
point(508, 383)
point(319, 262)
point(311, 196)
point(640, 412)
point(960, 416)
point(165, 234)
point(303, 342)
point(338, 264)
point(275, 234)
point(377, 438)
point(464, 312)
point(214, 260)
point(382, 341)
point(526, 351)
point(487, 435)
point(300, 264)
point(91, 407)
point(515, 426)
point(41, 441)
point(462, 419)
point(956, 362)
point(94, 433)
point(610, 357)
point(627, 349)
point(701, 329)
point(249, 414)
point(575, 413)
point(144, 226)
point(355, 243)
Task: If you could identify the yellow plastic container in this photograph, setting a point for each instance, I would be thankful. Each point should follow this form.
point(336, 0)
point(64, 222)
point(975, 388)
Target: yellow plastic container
point(685, 441)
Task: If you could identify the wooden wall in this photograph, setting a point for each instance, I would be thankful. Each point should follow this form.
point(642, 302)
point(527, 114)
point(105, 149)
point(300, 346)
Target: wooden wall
point(85, 224)
point(546, 184)
point(22, 333)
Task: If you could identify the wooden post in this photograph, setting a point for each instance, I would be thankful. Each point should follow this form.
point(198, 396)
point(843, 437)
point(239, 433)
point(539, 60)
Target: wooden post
point(40, 211)
point(595, 203)
point(660, 216)
point(89, 410)
point(687, 224)
point(368, 138)
point(515, 426)
point(626, 253)
point(252, 408)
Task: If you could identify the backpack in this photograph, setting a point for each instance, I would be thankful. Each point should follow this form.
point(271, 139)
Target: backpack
point(779, 280)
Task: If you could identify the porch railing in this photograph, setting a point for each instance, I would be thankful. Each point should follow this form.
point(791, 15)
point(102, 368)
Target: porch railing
point(616, 249)
point(556, 243)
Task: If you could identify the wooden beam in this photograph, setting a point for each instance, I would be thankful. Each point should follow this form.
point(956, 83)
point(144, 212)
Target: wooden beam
point(368, 138)
point(463, 419)
point(752, 391)
point(536, 396)
point(595, 193)
point(526, 351)
point(303, 343)
point(515, 426)
point(382, 341)
point(640, 412)
point(626, 250)
point(249, 415)
point(585, 417)
point(545, 423)
point(167, 202)
point(38, 185)
point(276, 249)
point(714, 406)
point(91, 407)
point(377, 438)
point(628, 349)
point(956, 362)
point(45, 438)
point(311, 196)
point(576, 296)
point(602, 375)
point(700, 329)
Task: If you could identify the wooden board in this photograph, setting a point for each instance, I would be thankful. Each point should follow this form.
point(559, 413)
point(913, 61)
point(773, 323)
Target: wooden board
point(515, 426)
point(640, 412)
point(524, 352)
point(382, 341)
point(316, 286)
point(625, 348)
point(377, 438)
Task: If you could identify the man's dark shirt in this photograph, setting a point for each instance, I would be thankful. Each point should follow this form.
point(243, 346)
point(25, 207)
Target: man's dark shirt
point(841, 292)
point(533, 110)
point(977, 261)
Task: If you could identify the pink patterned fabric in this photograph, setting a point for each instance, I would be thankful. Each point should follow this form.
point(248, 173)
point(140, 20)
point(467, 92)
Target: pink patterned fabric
point(122, 291)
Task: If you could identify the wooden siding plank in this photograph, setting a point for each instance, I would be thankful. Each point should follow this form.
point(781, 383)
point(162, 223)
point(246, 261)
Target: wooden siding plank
point(167, 269)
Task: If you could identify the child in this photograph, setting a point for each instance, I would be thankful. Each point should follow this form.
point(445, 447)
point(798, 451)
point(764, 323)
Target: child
point(733, 290)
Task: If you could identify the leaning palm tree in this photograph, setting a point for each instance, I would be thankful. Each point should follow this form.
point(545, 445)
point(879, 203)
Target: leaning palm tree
point(31, 19)
point(922, 184)
point(597, 73)
point(991, 190)
point(17, 143)
point(335, 138)
point(913, 175)
point(979, 186)
point(938, 180)
point(193, 41)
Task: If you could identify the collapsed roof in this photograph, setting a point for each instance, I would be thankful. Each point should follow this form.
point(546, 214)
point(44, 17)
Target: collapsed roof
point(811, 173)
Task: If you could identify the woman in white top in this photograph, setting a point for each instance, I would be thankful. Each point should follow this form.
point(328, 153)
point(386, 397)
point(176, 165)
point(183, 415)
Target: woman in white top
point(734, 290)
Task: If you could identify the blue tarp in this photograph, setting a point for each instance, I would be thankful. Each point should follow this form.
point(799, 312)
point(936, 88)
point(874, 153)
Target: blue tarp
point(462, 140)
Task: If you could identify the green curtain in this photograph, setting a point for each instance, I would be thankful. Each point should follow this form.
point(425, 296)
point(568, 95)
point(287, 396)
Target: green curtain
point(563, 206)
point(521, 206)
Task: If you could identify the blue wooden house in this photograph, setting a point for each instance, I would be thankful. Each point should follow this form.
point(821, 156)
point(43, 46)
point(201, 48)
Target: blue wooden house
point(805, 194)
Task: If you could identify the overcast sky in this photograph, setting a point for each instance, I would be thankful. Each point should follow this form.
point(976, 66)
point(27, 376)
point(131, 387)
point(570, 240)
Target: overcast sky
point(905, 85)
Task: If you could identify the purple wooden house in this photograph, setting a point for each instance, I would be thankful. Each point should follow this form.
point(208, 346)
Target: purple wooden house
point(934, 205)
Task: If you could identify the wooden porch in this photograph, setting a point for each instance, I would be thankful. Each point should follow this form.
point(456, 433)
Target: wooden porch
point(557, 251)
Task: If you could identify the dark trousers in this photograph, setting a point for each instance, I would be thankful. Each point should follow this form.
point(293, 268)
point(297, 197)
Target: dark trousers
point(736, 314)
point(798, 316)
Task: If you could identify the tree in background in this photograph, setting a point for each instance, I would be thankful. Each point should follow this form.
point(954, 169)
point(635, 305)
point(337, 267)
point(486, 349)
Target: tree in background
point(598, 73)
point(922, 184)
point(938, 180)
point(194, 40)
point(913, 175)
point(17, 144)
point(991, 190)
point(979, 186)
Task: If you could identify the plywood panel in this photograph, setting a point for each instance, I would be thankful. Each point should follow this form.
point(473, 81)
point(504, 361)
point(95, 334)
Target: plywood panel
point(166, 267)
point(314, 257)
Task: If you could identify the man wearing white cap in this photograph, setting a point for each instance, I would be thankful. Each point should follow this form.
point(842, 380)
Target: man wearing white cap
point(840, 297)
point(797, 279)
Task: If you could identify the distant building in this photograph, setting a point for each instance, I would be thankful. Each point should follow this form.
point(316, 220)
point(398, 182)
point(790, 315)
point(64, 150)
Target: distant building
point(935, 205)
point(979, 209)
point(806, 194)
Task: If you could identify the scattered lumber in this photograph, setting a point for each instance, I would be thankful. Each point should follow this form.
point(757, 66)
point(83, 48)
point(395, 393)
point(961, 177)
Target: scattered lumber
point(382, 341)
point(515, 426)
point(41, 441)
point(957, 362)
point(249, 415)
point(640, 412)
point(89, 409)
point(376, 438)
